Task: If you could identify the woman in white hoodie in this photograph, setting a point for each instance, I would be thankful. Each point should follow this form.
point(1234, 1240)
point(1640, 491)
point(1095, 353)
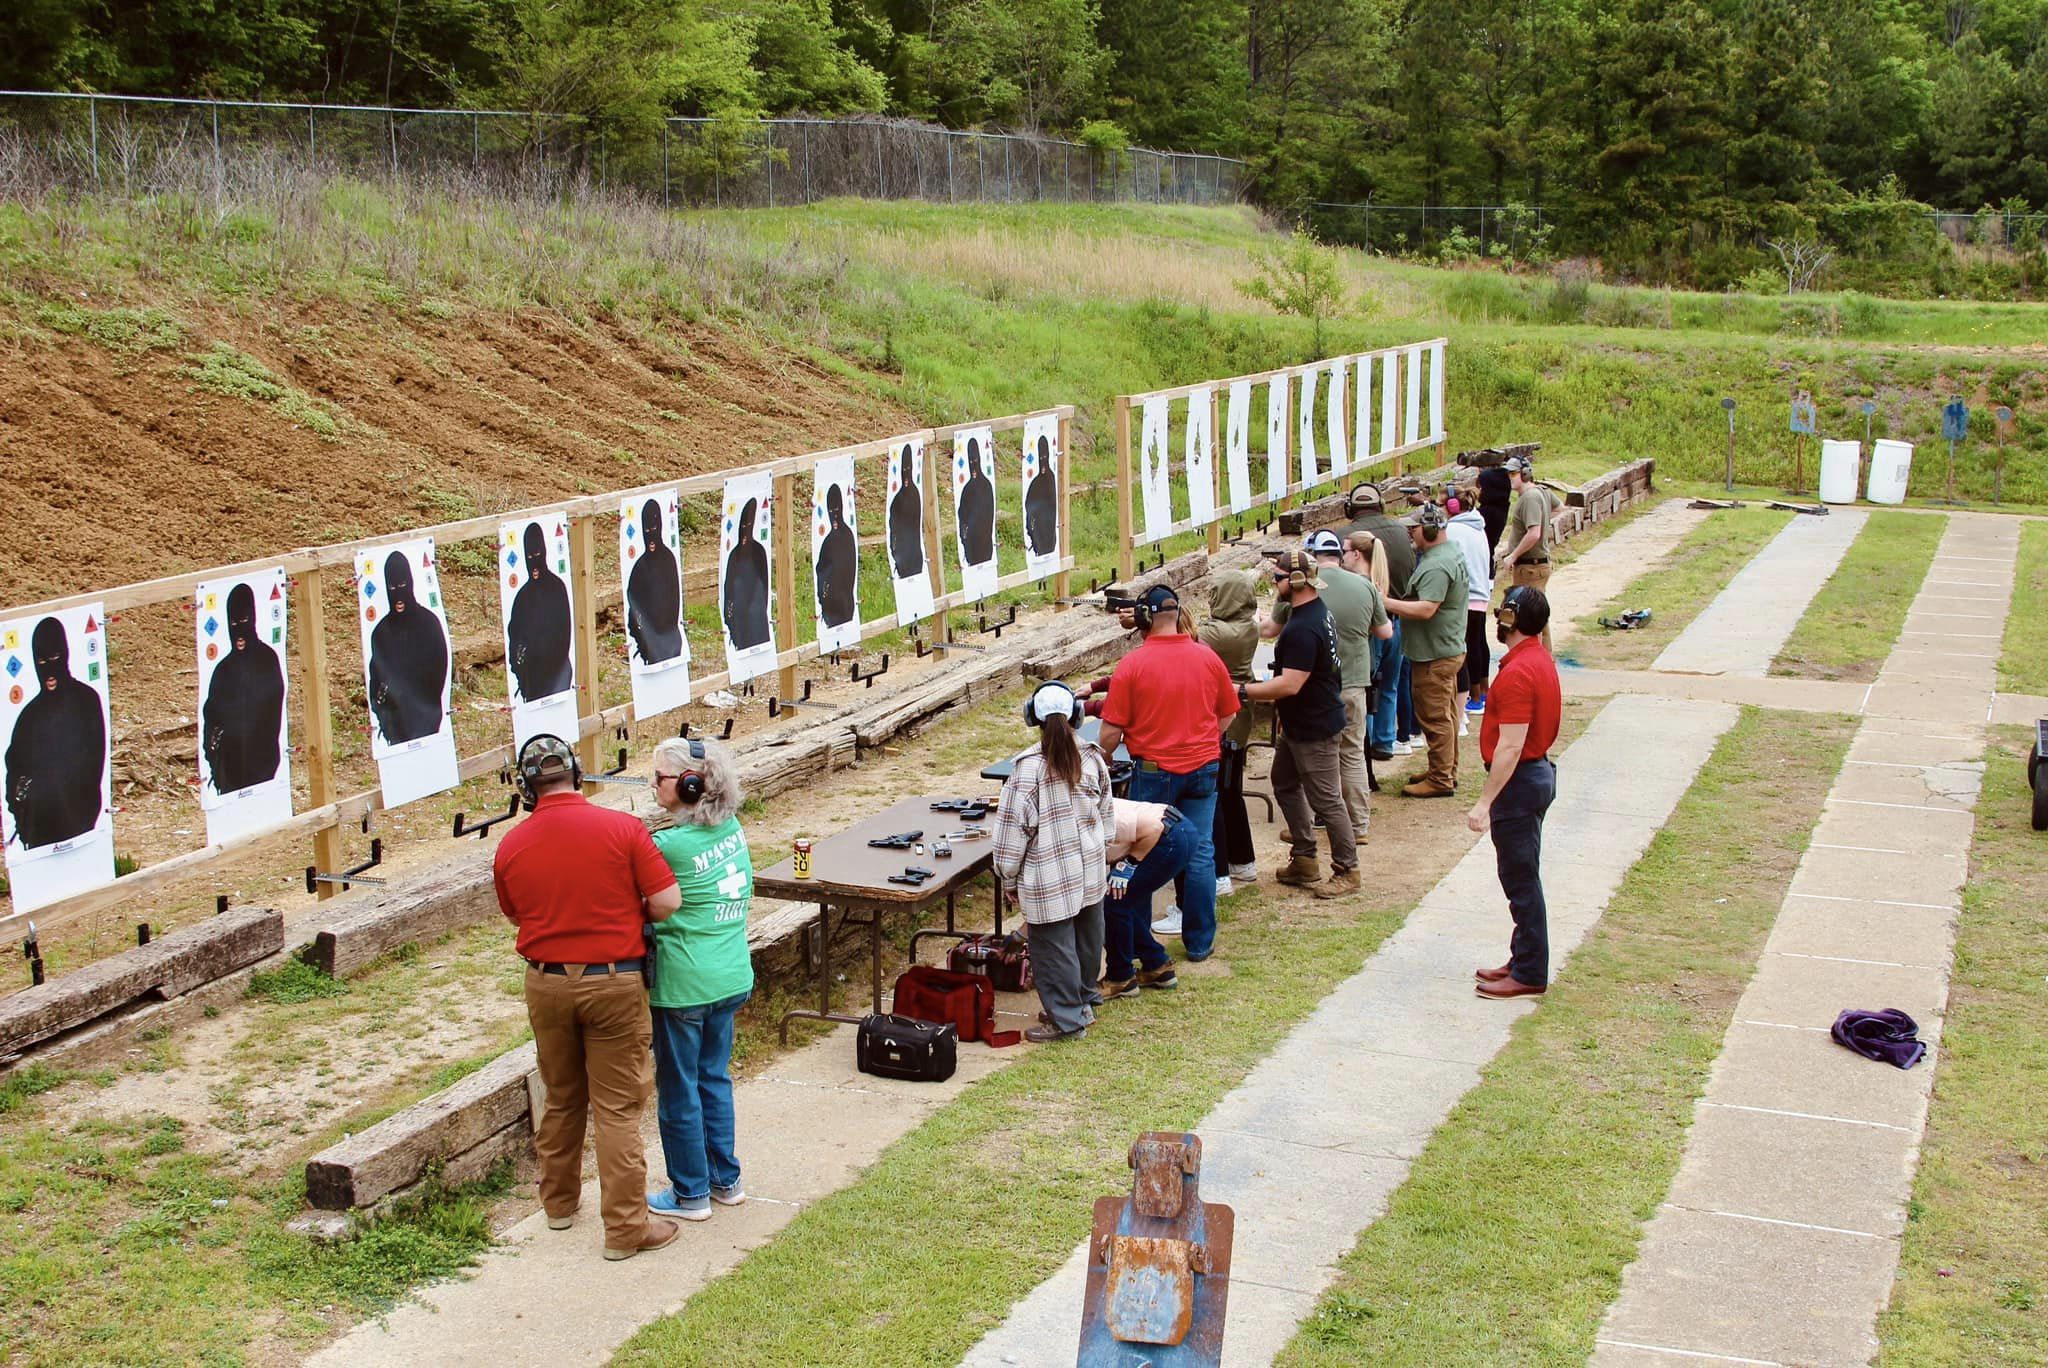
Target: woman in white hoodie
point(1467, 530)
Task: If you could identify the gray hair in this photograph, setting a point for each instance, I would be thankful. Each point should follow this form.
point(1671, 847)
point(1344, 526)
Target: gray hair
point(722, 796)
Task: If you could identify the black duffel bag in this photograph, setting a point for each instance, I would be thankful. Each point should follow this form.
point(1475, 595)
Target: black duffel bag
point(904, 1047)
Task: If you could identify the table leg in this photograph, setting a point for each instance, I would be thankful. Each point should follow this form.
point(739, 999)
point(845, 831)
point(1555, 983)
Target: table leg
point(824, 1011)
point(875, 945)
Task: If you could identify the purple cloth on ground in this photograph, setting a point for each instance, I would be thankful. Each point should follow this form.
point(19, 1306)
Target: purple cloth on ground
point(1889, 1036)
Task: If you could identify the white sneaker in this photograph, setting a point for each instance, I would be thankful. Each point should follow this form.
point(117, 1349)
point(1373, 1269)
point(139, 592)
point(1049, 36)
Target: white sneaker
point(1463, 730)
point(1245, 873)
point(1402, 748)
point(1168, 925)
point(1224, 887)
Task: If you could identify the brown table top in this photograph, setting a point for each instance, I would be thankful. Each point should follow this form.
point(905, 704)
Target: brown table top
point(846, 866)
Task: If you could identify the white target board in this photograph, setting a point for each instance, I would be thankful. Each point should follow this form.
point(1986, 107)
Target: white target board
point(537, 612)
point(909, 573)
point(1361, 426)
point(1436, 392)
point(1201, 456)
point(1333, 431)
point(406, 669)
point(1411, 415)
point(245, 778)
point(1305, 423)
point(1276, 437)
point(651, 566)
point(1237, 447)
point(1042, 470)
point(1154, 478)
point(56, 756)
point(974, 509)
point(746, 590)
point(835, 554)
point(1389, 402)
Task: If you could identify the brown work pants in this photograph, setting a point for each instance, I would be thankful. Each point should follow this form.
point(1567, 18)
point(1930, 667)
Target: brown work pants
point(594, 1038)
point(1436, 707)
point(1536, 576)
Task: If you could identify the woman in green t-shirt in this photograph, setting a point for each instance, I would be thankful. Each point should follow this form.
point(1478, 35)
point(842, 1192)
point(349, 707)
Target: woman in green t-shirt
point(702, 974)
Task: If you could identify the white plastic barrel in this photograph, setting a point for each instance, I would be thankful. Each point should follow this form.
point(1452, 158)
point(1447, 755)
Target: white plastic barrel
point(1891, 464)
point(1840, 463)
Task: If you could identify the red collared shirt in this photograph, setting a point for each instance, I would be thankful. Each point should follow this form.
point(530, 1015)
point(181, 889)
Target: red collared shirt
point(1171, 697)
point(572, 876)
point(1524, 691)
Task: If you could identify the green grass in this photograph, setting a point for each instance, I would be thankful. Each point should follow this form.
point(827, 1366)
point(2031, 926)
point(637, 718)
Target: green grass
point(1507, 1241)
point(296, 981)
point(922, 1256)
point(225, 370)
point(1681, 586)
point(2023, 662)
point(1848, 629)
point(1973, 1276)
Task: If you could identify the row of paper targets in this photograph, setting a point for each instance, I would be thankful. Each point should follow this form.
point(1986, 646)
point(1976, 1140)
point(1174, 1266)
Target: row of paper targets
point(55, 742)
point(1282, 434)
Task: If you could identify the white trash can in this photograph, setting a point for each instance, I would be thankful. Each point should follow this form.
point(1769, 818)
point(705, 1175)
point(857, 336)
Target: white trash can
point(1840, 463)
point(1891, 465)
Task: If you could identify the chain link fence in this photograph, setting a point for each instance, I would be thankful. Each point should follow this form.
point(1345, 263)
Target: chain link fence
point(1994, 228)
point(136, 145)
point(1401, 229)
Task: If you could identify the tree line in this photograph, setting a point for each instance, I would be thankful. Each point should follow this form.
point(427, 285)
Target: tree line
point(1671, 137)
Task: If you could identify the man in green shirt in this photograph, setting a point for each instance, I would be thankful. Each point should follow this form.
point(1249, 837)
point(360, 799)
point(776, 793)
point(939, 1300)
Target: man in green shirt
point(1433, 638)
point(1360, 616)
point(1527, 555)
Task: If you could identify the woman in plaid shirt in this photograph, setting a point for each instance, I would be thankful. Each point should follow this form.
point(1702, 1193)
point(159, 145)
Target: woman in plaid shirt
point(1051, 828)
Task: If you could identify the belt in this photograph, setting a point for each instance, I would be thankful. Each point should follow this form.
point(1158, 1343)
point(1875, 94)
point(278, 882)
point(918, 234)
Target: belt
point(1533, 560)
point(624, 966)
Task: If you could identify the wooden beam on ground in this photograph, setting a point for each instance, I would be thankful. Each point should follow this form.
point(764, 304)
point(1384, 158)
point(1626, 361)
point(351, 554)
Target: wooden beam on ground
point(168, 967)
point(446, 897)
point(397, 1151)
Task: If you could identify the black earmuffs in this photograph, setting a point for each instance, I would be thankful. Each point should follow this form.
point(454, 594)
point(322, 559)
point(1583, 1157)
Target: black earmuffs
point(690, 783)
point(1053, 699)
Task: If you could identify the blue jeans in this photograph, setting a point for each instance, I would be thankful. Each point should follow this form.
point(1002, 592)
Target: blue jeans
point(1130, 917)
point(1194, 793)
point(693, 1095)
point(1518, 856)
point(1390, 668)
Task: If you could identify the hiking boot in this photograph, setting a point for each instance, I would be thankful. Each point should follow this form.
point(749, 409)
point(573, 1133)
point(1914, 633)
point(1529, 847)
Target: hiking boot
point(1162, 977)
point(1301, 871)
point(1116, 988)
point(1423, 788)
point(1045, 1035)
point(1340, 882)
point(660, 1235)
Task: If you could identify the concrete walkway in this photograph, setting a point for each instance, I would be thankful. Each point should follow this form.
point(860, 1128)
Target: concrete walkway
point(1311, 1145)
point(1613, 564)
point(1780, 1238)
point(545, 1297)
point(1747, 624)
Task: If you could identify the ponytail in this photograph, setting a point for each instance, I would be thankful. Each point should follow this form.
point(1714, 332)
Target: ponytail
point(1062, 755)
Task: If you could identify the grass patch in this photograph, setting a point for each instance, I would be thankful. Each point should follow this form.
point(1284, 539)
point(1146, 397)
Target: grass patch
point(1848, 629)
point(295, 981)
point(2023, 663)
point(1676, 592)
point(128, 332)
point(1507, 1241)
point(1974, 1260)
point(225, 370)
point(988, 1197)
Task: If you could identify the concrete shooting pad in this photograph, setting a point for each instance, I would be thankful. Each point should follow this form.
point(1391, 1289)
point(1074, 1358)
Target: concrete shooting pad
point(1748, 623)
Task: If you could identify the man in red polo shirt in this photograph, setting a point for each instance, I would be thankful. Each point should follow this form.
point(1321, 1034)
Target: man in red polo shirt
point(1169, 703)
point(580, 882)
point(1523, 710)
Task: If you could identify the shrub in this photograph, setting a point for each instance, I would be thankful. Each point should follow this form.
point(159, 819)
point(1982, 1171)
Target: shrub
point(1300, 278)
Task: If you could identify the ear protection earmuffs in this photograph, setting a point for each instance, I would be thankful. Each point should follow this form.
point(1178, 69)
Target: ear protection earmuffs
point(690, 783)
point(1052, 699)
point(1509, 605)
point(533, 758)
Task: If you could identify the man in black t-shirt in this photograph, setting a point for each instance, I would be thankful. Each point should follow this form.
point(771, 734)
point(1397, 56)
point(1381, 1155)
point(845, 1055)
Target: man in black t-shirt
point(1306, 689)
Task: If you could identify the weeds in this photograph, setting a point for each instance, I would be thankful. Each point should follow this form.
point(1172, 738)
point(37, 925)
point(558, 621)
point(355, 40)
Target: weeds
point(294, 981)
point(225, 370)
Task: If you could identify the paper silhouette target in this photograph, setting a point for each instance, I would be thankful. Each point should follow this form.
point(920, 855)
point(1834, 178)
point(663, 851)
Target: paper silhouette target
point(405, 666)
point(1201, 449)
point(835, 554)
point(1333, 422)
point(745, 592)
point(1237, 447)
point(244, 767)
point(55, 763)
point(974, 509)
point(909, 574)
point(650, 559)
point(540, 630)
point(1155, 479)
point(1305, 438)
point(1041, 478)
point(1276, 437)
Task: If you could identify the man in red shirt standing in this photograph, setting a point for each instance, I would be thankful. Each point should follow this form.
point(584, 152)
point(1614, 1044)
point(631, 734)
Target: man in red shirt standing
point(580, 882)
point(1523, 710)
point(1169, 703)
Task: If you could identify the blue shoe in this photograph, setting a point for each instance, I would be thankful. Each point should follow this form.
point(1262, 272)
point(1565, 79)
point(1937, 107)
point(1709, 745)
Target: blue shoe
point(666, 1203)
point(1475, 706)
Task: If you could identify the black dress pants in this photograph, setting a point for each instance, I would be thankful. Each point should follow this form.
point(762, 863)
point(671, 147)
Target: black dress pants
point(1518, 852)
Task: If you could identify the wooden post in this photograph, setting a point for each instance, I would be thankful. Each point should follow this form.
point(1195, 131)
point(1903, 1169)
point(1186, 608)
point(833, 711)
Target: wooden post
point(1349, 418)
point(785, 577)
point(941, 630)
point(316, 722)
point(1287, 431)
point(1215, 455)
point(583, 590)
point(1060, 582)
point(1126, 558)
point(1394, 365)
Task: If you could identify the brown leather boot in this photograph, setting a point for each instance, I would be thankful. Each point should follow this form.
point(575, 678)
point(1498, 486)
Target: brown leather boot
point(1340, 883)
point(660, 1235)
point(1301, 871)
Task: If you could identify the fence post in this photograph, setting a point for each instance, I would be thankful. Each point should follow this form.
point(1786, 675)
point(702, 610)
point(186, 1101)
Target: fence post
point(1396, 363)
point(785, 577)
point(476, 142)
point(1125, 560)
point(1060, 581)
point(771, 182)
point(949, 168)
point(216, 151)
point(1009, 188)
point(316, 721)
point(1215, 503)
point(311, 150)
point(807, 163)
point(664, 163)
point(881, 177)
point(92, 113)
point(583, 590)
point(941, 628)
